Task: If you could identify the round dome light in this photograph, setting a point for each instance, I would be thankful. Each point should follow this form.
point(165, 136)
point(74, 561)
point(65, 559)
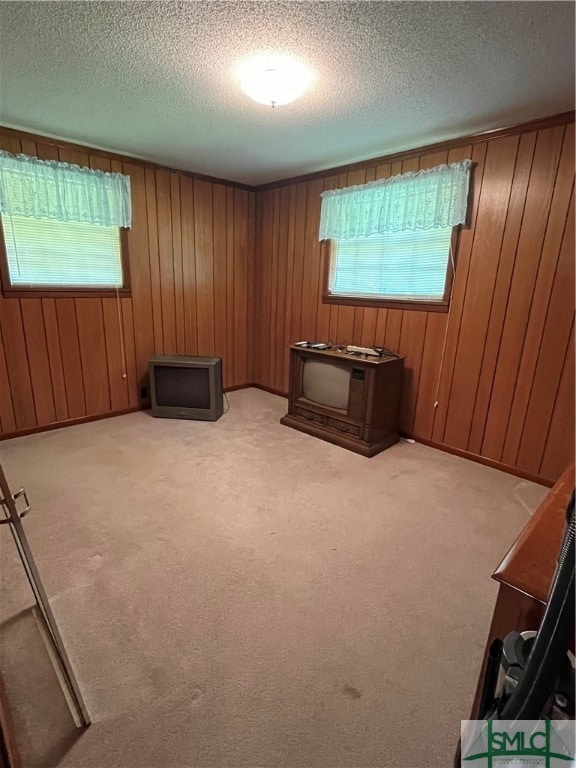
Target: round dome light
point(274, 80)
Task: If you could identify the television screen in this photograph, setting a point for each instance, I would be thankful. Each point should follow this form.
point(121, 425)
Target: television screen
point(326, 383)
point(182, 387)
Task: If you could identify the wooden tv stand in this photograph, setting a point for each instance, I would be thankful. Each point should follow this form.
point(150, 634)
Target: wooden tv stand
point(369, 424)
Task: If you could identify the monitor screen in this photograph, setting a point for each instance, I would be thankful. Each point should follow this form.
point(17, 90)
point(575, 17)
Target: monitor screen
point(178, 387)
point(326, 383)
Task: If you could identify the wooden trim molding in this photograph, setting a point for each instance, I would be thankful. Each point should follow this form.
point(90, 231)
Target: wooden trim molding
point(98, 417)
point(482, 460)
point(269, 390)
point(111, 155)
point(447, 449)
point(361, 301)
point(69, 423)
point(532, 125)
point(442, 146)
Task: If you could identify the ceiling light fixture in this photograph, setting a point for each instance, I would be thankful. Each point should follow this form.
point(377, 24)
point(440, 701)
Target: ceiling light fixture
point(274, 80)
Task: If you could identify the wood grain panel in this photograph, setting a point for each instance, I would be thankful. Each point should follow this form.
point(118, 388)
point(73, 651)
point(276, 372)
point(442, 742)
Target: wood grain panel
point(37, 349)
point(552, 355)
point(502, 288)
point(92, 345)
point(486, 246)
point(165, 253)
point(411, 344)
point(555, 229)
point(536, 212)
point(285, 336)
point(429, 375)
point(68, 358)
point(250, 288)
point(274, 298)
point(71, 363)
point(177, 261)
point(450, 346)
point(560, 438)
point(264, 293)
point(279, 351)
point(298, 332)
point(240, 285)
point(219, 236)
point(115, 354)
point(154, 289)
point(204, 266)
point(188, 265)
point(477, 379)
point(142, 294)
point(229, 309)
point(130, 353)
point(55, 359)
point(17, 364)
point(7, 420)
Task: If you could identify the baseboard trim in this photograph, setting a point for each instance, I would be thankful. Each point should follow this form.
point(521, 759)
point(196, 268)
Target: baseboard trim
point(236, 387)
point(454, 451)
point(449, 449)
point(483, 460)
point(269, 390)
point(93, 417)
point(433, 444)
point(70, 422)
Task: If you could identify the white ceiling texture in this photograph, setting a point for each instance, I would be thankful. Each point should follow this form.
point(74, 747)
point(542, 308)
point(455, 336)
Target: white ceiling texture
point(157, 79)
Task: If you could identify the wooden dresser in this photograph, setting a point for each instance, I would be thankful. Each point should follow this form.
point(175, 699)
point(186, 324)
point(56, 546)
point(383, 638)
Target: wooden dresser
point(525, 574)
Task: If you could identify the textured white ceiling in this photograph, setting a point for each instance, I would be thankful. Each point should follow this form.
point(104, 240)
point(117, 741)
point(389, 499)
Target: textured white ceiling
point(156, 79)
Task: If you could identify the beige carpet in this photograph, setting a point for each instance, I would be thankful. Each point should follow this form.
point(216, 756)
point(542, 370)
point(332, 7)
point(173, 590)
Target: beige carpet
point(239, 594)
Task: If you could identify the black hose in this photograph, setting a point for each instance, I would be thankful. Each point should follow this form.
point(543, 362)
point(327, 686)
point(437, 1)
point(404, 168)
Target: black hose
point(492, 668)
point(528, 700)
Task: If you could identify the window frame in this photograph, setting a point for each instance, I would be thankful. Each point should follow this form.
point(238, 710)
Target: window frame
point(425, 305)
point(65, 291)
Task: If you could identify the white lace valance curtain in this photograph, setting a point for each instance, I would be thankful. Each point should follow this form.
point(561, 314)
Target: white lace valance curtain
point(423, 200)
point(46, 189)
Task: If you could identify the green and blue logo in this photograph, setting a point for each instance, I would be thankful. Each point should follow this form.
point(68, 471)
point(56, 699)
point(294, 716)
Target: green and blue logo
point(529, 743)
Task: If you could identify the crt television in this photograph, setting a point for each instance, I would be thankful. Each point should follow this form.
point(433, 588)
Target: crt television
point(352, 401)
point(185, 387)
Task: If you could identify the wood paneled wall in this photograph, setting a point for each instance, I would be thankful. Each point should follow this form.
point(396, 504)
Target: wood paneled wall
point(218, 269)
point(190, 249)
point(493, 378)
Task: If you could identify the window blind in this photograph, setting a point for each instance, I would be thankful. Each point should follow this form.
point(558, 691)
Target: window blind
point(396, 265)
point(44, 252)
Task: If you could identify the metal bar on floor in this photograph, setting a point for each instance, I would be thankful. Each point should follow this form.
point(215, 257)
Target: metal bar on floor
point(64, 671)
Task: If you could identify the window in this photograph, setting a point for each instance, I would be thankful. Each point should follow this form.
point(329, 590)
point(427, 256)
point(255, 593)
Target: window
point(63, 229)
point(394, 266)
point(42, 255)
point(391, 242)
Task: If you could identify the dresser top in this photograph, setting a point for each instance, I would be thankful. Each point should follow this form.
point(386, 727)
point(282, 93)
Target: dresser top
point(530, 563)
point(347, 357)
